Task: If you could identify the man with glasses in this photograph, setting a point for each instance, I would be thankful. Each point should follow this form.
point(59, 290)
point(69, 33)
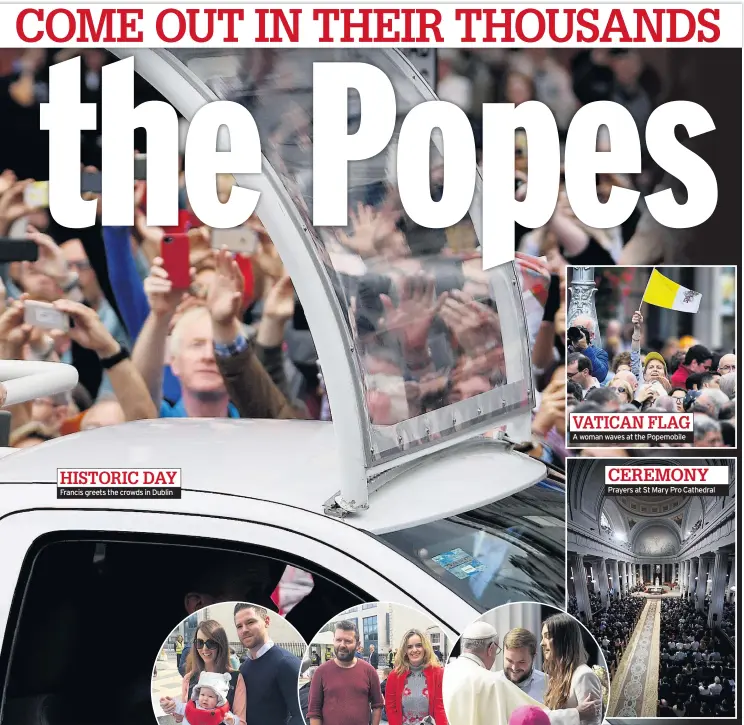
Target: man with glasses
point(698, 359)
point(579, 369)
point(727, 364)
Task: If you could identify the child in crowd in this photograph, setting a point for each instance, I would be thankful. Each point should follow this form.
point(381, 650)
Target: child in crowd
point(208, 704)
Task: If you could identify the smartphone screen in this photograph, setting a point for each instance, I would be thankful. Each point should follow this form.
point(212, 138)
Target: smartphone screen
point(140, 167)
point(45, 316)
point(36, 195)
point(241, 240)
point(91, 182)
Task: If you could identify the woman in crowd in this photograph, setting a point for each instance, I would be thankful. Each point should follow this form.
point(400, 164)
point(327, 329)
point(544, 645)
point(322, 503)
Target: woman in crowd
point(179, 649)
point(570, 679)
point(210, 652)
point(413, 690)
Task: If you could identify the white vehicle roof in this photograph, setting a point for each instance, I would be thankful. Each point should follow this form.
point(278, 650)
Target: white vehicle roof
point(286, 462)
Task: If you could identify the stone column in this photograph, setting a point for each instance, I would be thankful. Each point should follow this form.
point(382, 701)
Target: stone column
point(692, 579)
point(718, 591)
point(616, 578)
point(626, 576)
point(582, 289)
point(604, 584)
point(683, 578)
point(576, 563)
point(702, 581)
point(731, 588)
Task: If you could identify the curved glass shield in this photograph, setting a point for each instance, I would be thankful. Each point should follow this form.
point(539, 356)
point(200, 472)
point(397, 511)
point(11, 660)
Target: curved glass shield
point(439, 346)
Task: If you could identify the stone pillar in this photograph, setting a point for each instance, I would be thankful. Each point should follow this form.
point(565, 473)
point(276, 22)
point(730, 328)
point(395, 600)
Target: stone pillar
point(718, 591)
point(604, 584)
point(692, 579)
point(582, 289)
point(683, 578)
point(616, 578)
point(626, 576)
point(576, 563)
point(731, 588)
point(702, 581)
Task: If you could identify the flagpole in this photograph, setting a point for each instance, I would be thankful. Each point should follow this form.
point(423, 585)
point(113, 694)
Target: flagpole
point(640, 307)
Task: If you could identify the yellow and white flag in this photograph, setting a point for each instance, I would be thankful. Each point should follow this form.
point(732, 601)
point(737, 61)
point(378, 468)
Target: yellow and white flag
point(663, 292)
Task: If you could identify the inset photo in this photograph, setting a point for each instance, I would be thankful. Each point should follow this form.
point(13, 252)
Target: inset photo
point(651, 357)
point(652, 574)
point(234, 663)
point(526, 664)
point(377, 662)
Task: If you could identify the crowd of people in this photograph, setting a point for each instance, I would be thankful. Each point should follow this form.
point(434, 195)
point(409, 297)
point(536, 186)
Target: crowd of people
point(611, 626)
point(683, 377)
point(218, 688)
point(236, 342)
point(695, 678)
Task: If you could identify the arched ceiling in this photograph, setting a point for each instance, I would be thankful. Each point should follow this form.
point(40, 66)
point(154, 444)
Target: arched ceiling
point(649, 524)
point(652, 505)
point(655, 539)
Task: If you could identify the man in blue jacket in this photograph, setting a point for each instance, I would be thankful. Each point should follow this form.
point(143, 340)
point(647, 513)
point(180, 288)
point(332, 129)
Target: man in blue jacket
point(598, 356)
point(270, 672)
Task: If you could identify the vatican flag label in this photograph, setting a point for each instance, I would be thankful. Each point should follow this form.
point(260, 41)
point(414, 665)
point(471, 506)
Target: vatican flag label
point(664, 292)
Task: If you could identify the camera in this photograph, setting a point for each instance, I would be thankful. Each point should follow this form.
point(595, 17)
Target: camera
point(577, 333)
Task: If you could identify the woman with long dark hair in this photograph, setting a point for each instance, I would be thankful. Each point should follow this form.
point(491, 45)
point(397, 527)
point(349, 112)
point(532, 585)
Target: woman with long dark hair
point(210, 652)
point(572, 684)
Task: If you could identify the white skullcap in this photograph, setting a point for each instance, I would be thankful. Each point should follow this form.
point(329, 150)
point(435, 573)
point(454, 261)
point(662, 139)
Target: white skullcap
point(479, 630)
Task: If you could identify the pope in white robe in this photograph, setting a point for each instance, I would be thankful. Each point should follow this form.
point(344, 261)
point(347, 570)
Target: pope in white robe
point(474, 695)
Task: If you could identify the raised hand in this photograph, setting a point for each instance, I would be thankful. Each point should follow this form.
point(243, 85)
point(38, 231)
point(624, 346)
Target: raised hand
point(225, 294)
point(51, 261)
point(159, 290)
point(416, 309)
point(473, 325)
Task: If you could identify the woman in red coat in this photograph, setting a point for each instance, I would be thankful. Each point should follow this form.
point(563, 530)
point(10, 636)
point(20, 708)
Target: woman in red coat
point(413, 690)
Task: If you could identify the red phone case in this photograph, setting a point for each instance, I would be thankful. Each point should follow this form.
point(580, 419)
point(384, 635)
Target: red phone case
point(246, 268)
point(174, 250)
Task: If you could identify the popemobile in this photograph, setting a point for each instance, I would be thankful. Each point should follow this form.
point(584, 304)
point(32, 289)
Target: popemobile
point(415, 493)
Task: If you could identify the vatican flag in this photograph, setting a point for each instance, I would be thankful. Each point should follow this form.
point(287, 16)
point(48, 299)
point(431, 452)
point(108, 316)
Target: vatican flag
point(663, 292)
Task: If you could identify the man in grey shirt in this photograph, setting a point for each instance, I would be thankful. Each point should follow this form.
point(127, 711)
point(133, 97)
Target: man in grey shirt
point(520, 648)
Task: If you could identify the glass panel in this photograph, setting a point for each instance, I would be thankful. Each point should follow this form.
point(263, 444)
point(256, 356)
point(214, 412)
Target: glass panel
point(438, 345)
point(509, 551)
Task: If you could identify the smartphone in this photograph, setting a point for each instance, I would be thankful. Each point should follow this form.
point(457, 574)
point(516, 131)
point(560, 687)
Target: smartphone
point(36, 195)
point(249, 281)
point(140, 167)
point(18, 250)
point(91, 182)
point(45, 316)
point(174, 249)
point(240, 240)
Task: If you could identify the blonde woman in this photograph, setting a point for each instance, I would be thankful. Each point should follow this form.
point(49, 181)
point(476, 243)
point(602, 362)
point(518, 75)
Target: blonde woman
point(413, 691)
point(574, 690)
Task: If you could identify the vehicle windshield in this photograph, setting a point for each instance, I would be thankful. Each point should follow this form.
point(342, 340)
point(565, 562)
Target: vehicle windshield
point(437, 344)
point(508, 551)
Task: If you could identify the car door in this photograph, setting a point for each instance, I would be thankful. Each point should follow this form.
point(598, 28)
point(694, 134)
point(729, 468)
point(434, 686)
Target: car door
point(82, 580)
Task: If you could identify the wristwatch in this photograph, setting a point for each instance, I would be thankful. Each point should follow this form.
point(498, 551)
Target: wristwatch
point(108, 362)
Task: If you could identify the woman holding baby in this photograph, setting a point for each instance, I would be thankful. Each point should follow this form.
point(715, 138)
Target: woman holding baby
point(210, 684)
